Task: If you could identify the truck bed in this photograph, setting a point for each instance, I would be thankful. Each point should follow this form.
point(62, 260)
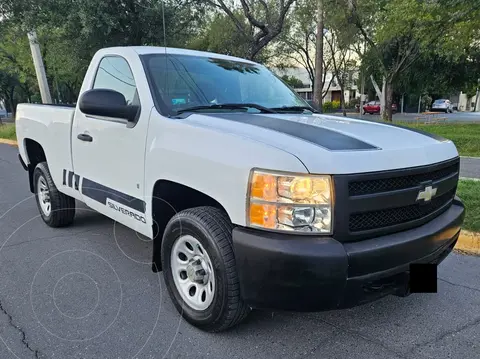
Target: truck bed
point(50, 126)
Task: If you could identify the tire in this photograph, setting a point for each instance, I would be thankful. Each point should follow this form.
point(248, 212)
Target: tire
point(212, 231)
point(62, 207)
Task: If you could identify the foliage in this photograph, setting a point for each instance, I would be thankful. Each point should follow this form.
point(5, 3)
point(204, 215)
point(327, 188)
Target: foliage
point(331, 106)
point(7, 131)
point(469, 193)
point(296, 45)
point(293, 81)
point(352, 103)
point(398, 32)
point(260, 21)
point(419, 47)
point(70, 32)
point(221, 36)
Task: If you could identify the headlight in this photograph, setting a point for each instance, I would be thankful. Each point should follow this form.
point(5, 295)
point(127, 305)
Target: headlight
point(290, 202)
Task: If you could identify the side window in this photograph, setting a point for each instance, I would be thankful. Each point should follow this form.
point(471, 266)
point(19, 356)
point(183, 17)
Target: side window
point(114, 74)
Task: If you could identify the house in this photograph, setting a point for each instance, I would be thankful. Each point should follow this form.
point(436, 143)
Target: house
point(331, 87)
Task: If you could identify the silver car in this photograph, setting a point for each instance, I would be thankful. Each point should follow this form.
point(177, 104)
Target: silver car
point(442, 105)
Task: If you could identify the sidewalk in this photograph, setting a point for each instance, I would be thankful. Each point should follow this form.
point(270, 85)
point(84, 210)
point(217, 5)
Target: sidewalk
point(470, 167)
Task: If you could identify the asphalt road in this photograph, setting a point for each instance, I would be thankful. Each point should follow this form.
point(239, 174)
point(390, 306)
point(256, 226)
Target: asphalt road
point(455, 117)
point(470, 167)
point(88, 292)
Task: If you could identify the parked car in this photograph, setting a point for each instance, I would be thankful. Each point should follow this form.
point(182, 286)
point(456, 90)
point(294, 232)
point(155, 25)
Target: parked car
point(250, 201)
point(442, 105)
point(373, 107)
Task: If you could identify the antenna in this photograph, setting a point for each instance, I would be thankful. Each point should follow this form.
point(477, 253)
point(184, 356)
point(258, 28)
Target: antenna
point(165, 48)
point(164, 31)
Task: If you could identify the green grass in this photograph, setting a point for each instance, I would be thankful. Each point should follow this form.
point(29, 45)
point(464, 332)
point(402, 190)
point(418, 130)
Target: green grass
point(465, 136)
point(7, 131)
point(469, 193)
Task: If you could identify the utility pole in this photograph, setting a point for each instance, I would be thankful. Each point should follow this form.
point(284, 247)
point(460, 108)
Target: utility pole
point(39, 68)
point(362, 85)
point(475, 108)
point(362, 95)
point(318, 83)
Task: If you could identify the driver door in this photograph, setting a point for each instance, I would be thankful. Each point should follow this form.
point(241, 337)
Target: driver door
point(108, 153)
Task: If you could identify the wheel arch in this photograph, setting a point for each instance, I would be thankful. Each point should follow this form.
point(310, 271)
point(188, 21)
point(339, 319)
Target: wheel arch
point(169, 198)
point(35, 154)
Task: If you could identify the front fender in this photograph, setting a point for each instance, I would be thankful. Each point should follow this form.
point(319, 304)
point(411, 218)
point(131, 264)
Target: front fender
point(215, 163)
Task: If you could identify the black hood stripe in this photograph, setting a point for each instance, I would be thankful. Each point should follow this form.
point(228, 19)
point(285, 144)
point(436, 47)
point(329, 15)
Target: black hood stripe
point(323, 137)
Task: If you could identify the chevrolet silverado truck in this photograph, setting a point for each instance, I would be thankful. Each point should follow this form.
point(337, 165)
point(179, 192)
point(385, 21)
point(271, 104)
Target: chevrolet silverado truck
point(251, 198)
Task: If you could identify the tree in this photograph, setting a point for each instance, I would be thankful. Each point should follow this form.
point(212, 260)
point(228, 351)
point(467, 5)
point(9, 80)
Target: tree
point(292, 81)
point(264, 21)
point(70, 32)
point(297, 44)
point(343, 65)
point(318, 86)
point(220, 36)
point(397, 31)
point(16, 68)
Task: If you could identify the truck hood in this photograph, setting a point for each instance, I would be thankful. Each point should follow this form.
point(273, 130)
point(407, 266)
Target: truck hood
point(334, 145)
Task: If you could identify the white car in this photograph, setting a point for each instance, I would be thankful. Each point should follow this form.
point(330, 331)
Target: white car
point(251, 198)
point(442, 105)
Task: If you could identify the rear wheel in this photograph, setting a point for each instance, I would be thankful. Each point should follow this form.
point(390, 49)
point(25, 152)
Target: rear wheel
point(57, 209)
point(199, 269)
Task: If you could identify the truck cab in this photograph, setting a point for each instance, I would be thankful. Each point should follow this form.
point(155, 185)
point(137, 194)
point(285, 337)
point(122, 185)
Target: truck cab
point(251, 197)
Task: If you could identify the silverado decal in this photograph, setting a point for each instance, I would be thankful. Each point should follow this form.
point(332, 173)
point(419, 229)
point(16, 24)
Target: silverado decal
point(118, 201)
point(101, 193)
point(125, 211)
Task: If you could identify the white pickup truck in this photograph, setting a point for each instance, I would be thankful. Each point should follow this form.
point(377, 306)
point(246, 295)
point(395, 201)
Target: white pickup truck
point(251, 198)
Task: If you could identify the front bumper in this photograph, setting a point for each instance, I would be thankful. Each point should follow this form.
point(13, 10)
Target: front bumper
point(305, 273)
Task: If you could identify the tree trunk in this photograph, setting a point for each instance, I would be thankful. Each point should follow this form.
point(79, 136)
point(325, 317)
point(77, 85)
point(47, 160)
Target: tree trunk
point(318, 84)
point(342, 100)
point(387, 114)
point(382, 99)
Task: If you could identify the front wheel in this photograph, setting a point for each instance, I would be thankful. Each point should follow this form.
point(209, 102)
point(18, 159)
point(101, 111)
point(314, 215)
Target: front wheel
point(57, 209)
point(199, 269)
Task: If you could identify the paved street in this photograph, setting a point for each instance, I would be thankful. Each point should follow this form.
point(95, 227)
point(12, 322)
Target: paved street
point(88, 292)
point(470, 167)
point(456, 117)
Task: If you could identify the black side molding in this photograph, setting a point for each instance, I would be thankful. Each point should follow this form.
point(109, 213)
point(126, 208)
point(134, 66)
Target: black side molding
point(101, 193)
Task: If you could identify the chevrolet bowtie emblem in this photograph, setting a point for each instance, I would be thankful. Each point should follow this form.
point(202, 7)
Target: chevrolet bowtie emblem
point(427, 194)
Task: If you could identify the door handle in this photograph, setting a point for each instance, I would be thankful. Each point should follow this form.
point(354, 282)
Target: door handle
point(85, 137)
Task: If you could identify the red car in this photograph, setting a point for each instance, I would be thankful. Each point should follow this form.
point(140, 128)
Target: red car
point(374, 107)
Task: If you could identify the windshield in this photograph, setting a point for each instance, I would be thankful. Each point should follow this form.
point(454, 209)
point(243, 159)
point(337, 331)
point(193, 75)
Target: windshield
point(182, 81)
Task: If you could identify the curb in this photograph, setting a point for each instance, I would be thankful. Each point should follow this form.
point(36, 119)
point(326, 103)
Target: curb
point(469, 179)
point(475, 158)
point(8, 142)
point(469, 243)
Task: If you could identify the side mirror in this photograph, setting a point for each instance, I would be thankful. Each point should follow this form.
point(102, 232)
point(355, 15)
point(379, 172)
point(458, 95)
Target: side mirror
point(107, 103)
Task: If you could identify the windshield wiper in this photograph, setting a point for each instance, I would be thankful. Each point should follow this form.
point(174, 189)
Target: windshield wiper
point(228, 106)
point(293, 108)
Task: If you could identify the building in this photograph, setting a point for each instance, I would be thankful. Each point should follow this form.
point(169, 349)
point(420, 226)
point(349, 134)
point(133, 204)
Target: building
point(333, 91)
